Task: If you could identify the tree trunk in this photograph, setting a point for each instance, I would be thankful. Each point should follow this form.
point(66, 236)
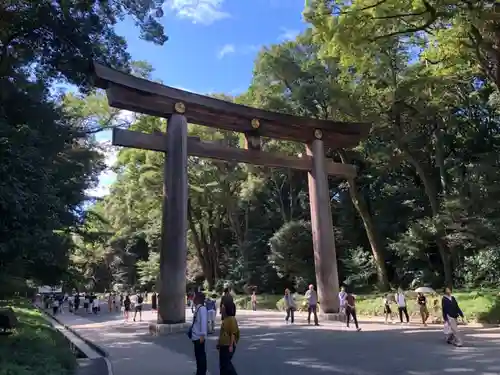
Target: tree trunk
point(359, 203)
point(432, 196)
point(200, 245)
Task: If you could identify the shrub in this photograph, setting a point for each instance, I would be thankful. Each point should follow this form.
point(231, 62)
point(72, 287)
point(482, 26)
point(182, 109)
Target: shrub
point(35, 347)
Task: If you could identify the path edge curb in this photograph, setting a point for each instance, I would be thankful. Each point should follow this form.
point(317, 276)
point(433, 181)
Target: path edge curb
point(97, 348)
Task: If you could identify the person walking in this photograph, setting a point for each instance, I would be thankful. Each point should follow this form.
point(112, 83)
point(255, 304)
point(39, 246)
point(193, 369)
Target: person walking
point(138, 306)
point(342, 296)
point(71, 303)
point(95, 305)
point(254, 301)
point(387, 308)
point(451, 312)
point(86, 303)
point(401, 301)
point(154, 302)
point(55, 305)
point(350, 310)
point(198, 333)
point(290, 306)
point(422, 305)
point(312, 303)
point(126, 307)
point(211, 305)
point(228, 339)
point(226, 297)
point(77, 302)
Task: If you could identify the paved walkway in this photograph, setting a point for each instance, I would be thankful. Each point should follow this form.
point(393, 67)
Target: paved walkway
point(130, 348)
point(268, 346)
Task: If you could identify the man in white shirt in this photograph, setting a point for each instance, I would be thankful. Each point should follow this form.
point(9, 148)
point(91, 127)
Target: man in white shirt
point(199, 330)
point(401, 301)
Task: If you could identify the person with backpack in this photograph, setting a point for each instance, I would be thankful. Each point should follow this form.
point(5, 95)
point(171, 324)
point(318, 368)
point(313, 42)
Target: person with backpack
point(198, 332)
point(138, 306)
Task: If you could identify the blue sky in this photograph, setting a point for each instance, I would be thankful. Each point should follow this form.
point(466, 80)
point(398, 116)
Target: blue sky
point(212, 45)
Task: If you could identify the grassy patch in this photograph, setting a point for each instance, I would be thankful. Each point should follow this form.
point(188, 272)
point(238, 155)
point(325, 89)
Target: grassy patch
point(478, 306)
point(34, 348)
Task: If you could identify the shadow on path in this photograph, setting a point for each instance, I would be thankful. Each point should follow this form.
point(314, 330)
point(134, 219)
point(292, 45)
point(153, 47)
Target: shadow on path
point(268, 346)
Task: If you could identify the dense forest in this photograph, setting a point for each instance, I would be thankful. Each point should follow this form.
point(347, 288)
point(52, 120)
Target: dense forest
point(424, 208)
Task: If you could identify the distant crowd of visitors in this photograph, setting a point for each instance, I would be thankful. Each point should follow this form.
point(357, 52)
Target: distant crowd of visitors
point(61, 302)
point(91, 304)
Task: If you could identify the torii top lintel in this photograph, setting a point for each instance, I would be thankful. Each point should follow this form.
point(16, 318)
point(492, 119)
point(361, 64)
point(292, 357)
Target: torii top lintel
point(125, 91)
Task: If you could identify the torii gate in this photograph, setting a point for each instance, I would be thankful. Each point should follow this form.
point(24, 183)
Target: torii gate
point(125, 91)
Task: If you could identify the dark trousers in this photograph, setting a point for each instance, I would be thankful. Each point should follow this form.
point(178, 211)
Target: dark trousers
point(290, 314)
point(201, 357)
point(225, 361)
point(403, 310)
point(349, 311)
point(312, 309)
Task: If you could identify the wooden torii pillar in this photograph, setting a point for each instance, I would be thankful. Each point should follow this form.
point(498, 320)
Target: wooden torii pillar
point(180, 107)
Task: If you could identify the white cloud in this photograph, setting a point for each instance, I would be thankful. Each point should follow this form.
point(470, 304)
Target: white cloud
point(226, 50)
point(288, 34)
point(204, 12)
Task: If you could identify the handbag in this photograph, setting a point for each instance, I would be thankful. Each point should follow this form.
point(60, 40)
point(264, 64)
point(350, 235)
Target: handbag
point(190, 330)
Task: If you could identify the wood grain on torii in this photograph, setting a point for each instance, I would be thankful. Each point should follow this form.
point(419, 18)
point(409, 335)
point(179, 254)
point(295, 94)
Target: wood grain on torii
point(180, 107)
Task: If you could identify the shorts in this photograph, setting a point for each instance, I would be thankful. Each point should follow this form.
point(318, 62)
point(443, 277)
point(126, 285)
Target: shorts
point(127, 308)
point(387, 309)
point(423, 310)
point(138, 308)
